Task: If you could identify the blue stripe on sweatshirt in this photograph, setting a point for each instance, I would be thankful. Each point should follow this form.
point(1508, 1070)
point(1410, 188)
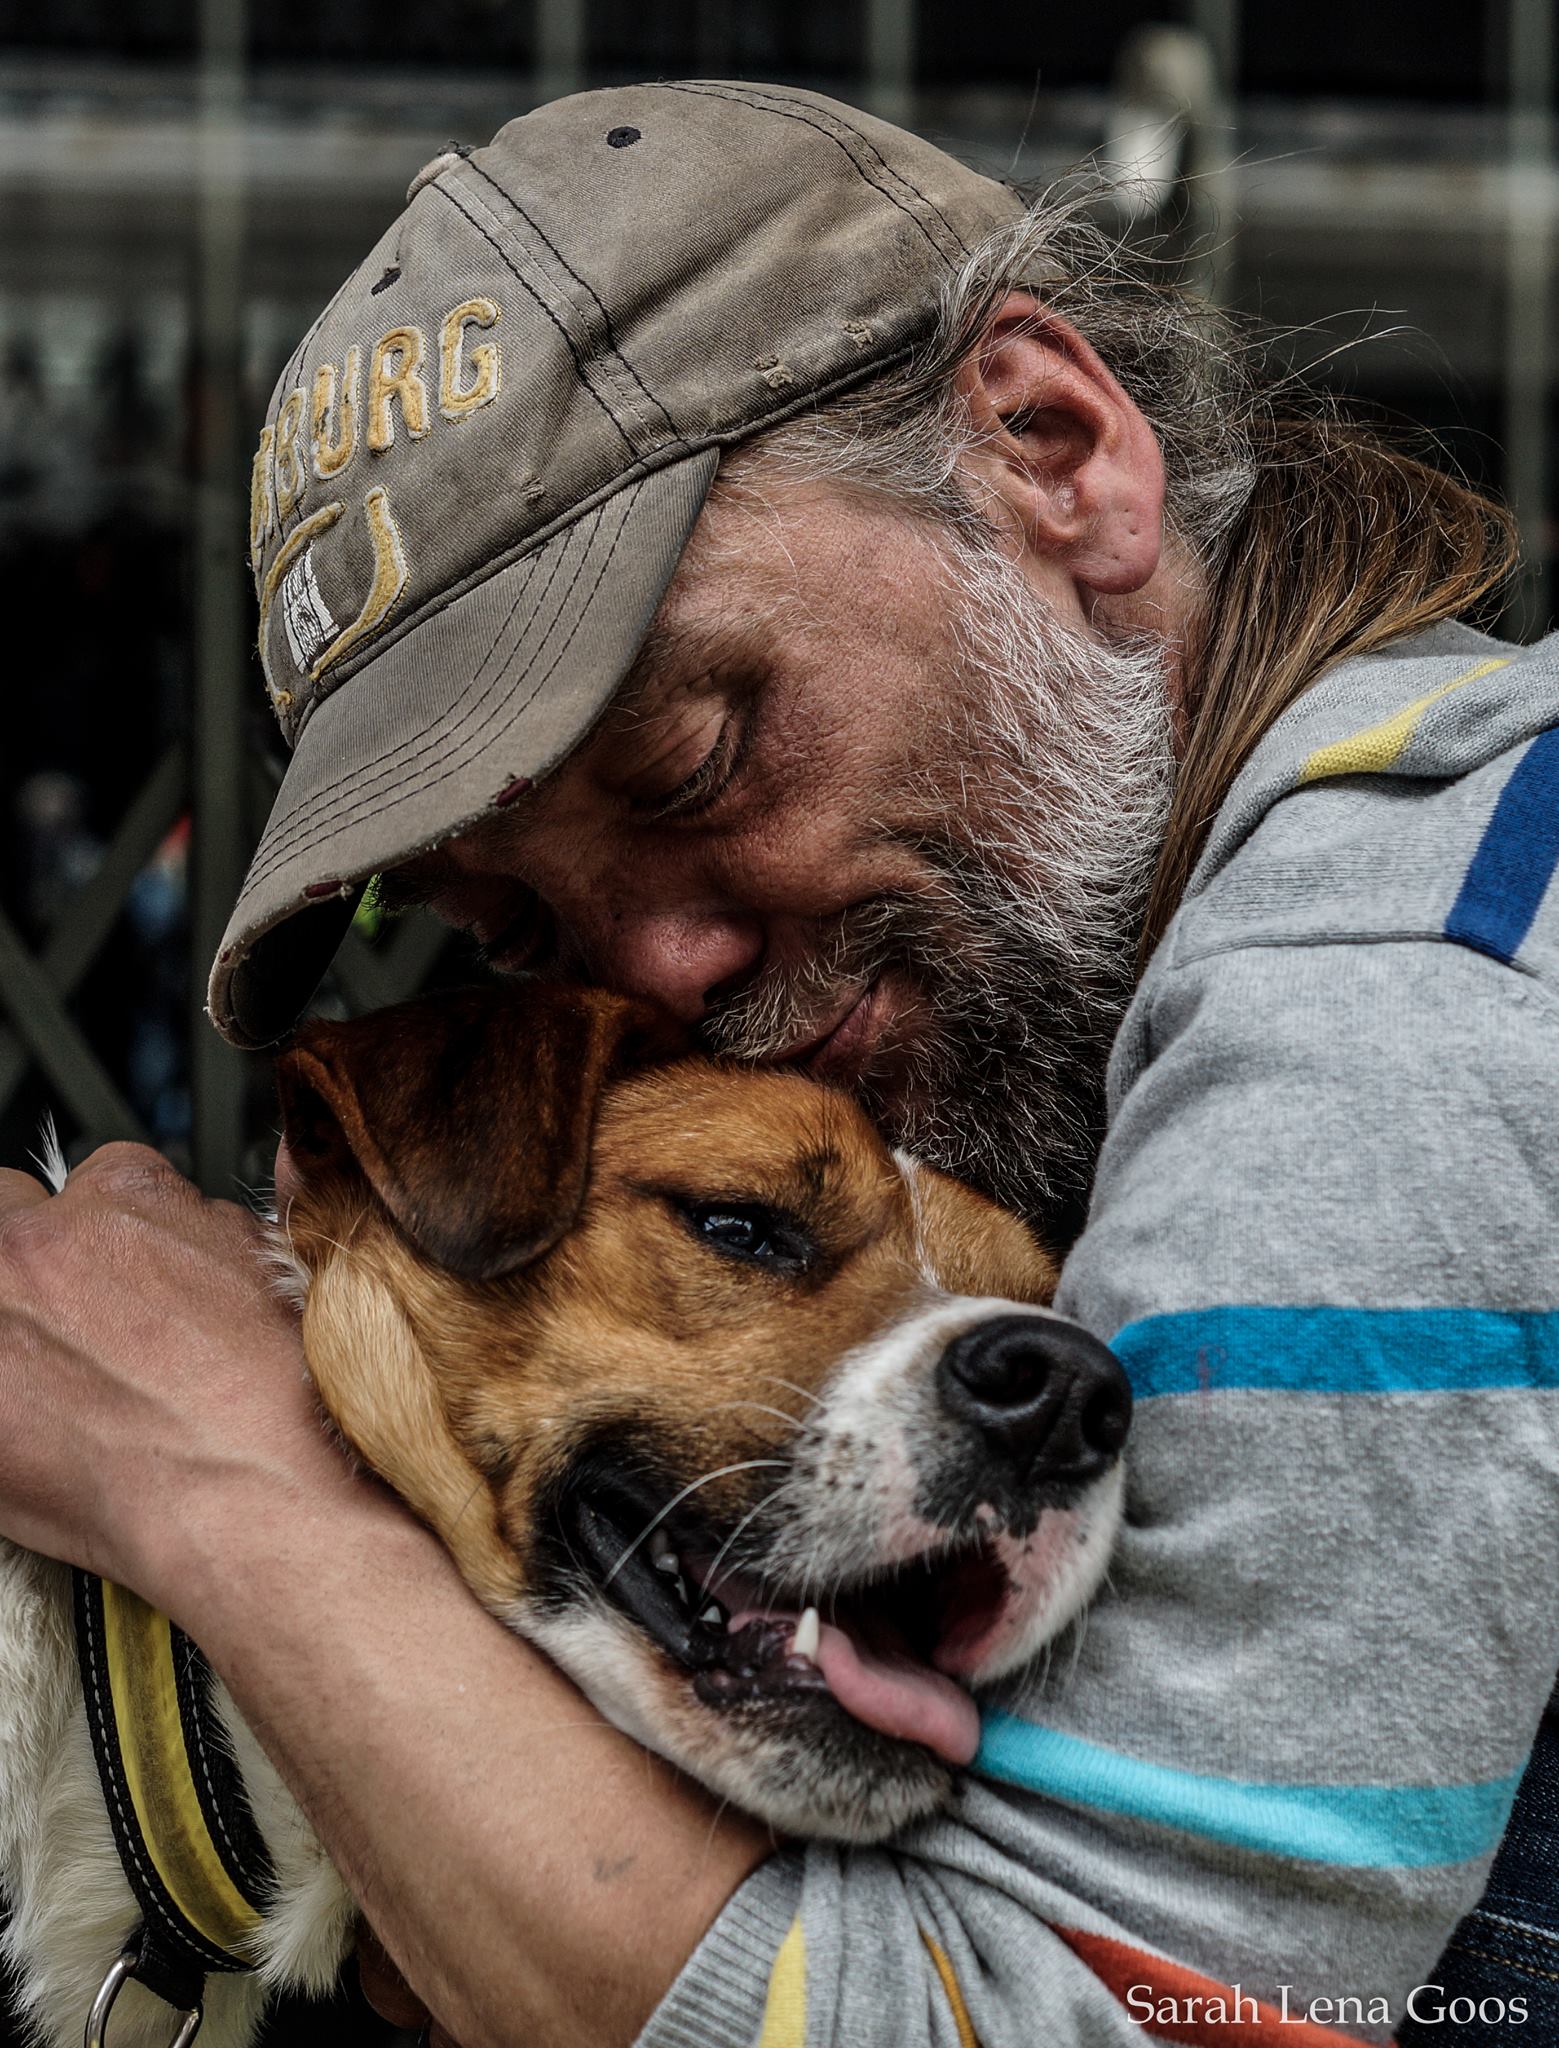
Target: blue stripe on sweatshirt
point(1516, 857)
point(1374, 1827)
point(1339, 1350)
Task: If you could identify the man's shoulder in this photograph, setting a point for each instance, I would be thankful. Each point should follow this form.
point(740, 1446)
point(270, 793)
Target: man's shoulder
point(1410, 795)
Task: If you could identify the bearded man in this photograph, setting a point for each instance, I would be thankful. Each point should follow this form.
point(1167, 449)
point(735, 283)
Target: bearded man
point(787, 577)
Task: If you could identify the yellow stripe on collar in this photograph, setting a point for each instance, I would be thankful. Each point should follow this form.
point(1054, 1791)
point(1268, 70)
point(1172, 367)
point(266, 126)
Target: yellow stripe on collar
point(143, 1690)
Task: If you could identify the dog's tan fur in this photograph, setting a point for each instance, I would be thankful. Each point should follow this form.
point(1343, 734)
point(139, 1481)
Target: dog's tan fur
point(467, 1399)
point(499, 1272)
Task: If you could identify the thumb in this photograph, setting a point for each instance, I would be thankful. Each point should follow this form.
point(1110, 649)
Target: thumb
point(382, 1984)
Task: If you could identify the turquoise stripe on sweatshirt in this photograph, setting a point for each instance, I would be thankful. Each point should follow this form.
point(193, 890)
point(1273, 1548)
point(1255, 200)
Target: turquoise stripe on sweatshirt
point(1364, 1826)
point(1339, 1351)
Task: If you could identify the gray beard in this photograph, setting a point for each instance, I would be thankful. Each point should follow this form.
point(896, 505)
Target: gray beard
point(1051, 801)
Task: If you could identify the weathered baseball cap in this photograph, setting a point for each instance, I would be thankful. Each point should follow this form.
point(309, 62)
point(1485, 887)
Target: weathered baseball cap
point(483, 461)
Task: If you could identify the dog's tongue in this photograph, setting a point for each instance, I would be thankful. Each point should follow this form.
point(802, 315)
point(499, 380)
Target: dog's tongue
point(890, 1692)
point(897, 1696)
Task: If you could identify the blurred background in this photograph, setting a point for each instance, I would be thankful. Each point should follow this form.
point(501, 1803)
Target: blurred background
point(183, 182)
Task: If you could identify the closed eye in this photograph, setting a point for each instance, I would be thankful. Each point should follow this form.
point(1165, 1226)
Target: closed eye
point(696, 792)
point(718, 772)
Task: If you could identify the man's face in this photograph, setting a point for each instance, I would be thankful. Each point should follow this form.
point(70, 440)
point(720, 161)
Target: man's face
point(872, 802)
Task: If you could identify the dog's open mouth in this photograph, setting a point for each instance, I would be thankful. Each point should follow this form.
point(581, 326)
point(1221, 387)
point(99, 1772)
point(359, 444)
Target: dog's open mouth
point(874, 1647)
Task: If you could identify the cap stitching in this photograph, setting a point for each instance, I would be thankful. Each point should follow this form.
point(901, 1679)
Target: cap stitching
point(789, 112)
point(648, 431)
point(816, 118)
point(392, 757)
point(364, 785)
point(584, 285)
point(453, 766)
point(455, 759)
point(568, 339)
point(773, 102)
point(474, 684)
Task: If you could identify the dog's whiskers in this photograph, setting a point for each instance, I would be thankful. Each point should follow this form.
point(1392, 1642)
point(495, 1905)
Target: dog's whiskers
point(717, 1407)
point(471, 1496)
point(772, 1495)
point(724, 1472)
point(815, 1400)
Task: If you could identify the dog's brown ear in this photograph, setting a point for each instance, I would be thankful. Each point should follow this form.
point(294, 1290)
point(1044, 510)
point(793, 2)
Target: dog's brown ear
point(469, 1112)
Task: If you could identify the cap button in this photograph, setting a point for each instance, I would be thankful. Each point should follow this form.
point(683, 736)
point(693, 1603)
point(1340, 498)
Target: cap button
point(447, 158)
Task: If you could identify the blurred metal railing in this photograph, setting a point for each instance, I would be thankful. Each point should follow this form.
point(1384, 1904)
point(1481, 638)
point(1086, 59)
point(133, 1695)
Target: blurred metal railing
point(1529, 283)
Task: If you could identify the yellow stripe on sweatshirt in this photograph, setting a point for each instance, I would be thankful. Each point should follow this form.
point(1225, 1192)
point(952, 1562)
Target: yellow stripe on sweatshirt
point(1381, 746)
point(955, 1998)
point(785, 2010)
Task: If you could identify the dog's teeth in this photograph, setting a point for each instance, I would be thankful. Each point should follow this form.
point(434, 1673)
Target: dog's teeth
point(668, 1563)
point(714, 1615)
point(809, 1633)
point(660, 1549)
point(682, 1591)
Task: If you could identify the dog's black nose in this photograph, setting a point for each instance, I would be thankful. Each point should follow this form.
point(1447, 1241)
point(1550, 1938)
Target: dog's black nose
point(1050, 1400)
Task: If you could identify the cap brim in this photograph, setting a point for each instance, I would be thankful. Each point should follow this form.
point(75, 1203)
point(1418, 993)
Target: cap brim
point(495, 689)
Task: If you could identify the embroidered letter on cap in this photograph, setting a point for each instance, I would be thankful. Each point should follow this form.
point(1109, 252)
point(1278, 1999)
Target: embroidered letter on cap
point(332, 453)
point(396, 372)
point(389, 580)
point(262, 505)
point(457, 399)
point(286, 555)
point(291, 476)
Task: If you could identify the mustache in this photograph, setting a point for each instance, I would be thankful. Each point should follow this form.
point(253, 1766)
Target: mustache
point(791, 1002)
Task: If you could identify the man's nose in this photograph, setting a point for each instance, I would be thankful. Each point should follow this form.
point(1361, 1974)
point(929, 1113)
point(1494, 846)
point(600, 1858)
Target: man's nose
point(683, 960)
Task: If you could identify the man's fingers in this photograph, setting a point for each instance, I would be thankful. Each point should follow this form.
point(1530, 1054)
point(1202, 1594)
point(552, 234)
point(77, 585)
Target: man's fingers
point(385, 1989)
point(126, 1173)
point(19, 1191)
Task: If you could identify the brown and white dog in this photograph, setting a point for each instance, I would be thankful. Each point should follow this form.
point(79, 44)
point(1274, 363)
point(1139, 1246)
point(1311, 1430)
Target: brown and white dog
point(761, 1431)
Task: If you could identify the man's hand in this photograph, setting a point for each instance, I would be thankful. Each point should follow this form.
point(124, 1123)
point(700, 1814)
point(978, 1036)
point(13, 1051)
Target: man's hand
point(152, 1386)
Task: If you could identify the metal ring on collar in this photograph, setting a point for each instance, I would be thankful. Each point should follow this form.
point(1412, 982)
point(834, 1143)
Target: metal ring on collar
point(110, 1988)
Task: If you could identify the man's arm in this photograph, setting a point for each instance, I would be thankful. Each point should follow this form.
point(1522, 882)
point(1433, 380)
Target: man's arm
point(537, 1875)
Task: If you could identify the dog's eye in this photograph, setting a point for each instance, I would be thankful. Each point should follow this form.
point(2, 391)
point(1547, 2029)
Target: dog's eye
point(749, 1230)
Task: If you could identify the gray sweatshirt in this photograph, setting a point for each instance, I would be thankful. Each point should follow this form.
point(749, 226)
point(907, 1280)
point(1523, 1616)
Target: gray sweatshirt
point(1323, 1241)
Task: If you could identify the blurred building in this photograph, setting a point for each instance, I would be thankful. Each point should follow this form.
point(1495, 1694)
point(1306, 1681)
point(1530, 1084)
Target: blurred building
point(183, 182)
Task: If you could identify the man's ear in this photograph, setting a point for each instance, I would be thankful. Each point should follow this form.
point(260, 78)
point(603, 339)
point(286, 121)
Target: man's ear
point(469, 1113)
point(1068, 455)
